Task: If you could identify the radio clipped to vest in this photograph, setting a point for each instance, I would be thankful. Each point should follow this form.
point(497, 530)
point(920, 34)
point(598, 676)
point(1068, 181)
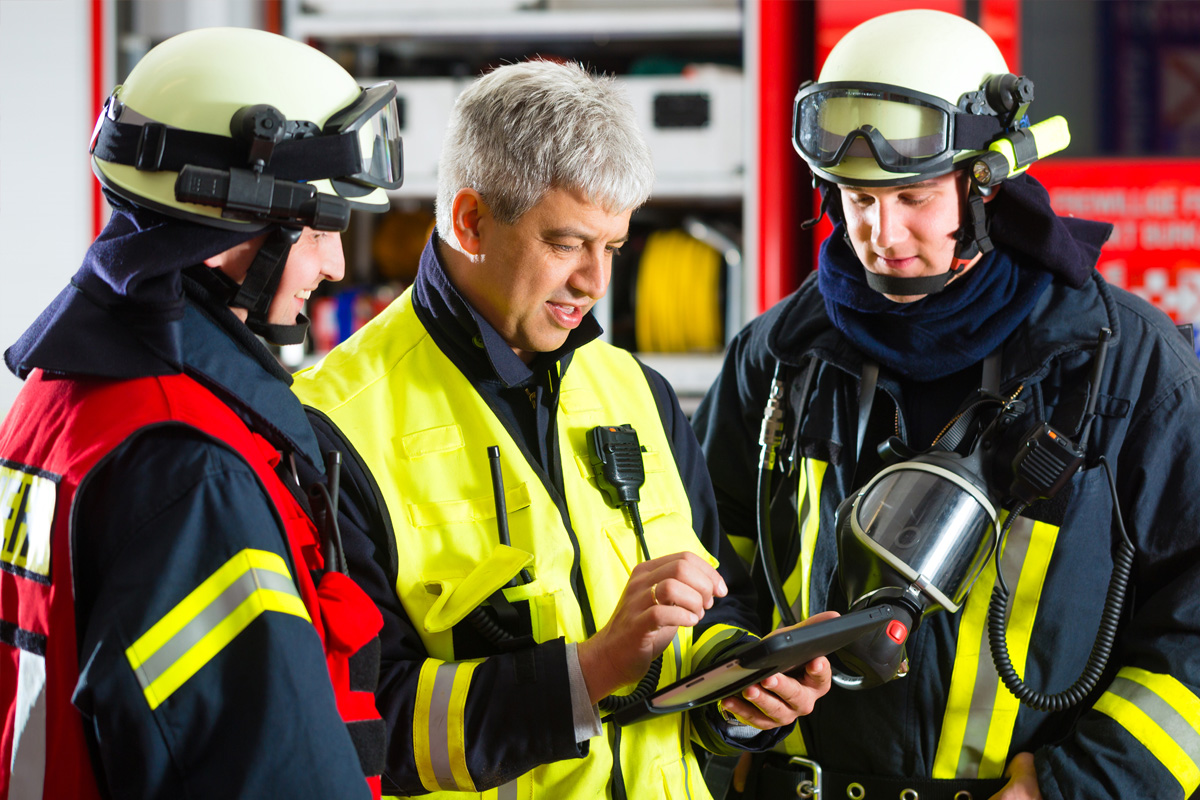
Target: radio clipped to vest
point(498, 626)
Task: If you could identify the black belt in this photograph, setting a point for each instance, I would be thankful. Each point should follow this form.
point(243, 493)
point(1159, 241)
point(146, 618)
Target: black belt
point(800, 777)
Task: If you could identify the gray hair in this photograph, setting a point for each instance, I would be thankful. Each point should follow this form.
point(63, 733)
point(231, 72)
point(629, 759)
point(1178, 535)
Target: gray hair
point(524, 129)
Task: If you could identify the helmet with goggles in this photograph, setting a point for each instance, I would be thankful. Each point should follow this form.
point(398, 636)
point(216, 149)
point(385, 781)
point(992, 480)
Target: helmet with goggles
point(904, 97)
point(234, 128)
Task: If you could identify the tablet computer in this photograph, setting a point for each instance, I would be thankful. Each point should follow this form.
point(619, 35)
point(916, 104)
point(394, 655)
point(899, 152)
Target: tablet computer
point(786, 650)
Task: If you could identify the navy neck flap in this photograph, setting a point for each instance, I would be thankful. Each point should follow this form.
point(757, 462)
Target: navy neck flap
point(940, 334)
point(120, 315)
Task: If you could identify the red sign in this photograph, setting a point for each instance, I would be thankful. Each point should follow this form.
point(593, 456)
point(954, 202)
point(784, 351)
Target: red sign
point(1154, 206)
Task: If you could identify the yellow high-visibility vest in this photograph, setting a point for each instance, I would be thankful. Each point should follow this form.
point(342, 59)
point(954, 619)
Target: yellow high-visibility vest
point(423, 431)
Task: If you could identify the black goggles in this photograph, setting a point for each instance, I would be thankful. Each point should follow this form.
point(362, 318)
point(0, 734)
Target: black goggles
point(900, 129)
point(358, 147)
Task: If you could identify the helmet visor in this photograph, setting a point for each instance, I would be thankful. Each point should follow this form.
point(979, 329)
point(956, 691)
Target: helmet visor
point(374, 117)
point(902, 131)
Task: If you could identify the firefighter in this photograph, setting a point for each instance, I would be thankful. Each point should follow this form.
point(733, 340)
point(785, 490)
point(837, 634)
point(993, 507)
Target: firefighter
point(955, 318)
point(513, 634)
point(176, 617)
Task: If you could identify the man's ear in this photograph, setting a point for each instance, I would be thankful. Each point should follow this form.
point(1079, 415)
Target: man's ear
point(465, 213)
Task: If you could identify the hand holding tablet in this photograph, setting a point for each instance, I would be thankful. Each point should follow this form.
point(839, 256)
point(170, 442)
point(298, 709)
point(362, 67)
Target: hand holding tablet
point(782, 651)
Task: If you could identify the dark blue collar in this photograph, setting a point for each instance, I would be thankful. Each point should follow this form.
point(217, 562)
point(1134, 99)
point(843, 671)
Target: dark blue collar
point(468, 339)
point(119, 316)
point(939, 335)
point(82, 337)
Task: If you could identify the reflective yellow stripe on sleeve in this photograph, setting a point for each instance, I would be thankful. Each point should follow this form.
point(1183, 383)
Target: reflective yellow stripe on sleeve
point(1162, 714)
point(710, 641)
point(204, 622)
point(439, 738)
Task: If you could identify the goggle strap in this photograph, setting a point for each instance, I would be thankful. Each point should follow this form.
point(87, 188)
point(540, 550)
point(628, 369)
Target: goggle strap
point(155, 147)
point(975, 131)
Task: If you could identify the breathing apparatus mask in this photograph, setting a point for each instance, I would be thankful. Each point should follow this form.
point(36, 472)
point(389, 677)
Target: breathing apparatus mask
point(916, 537)
point(243, 129)
point(918, 534)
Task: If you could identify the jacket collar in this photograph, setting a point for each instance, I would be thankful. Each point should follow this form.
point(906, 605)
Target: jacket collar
point(80, 335)
point(221, 353)
point(469, 339)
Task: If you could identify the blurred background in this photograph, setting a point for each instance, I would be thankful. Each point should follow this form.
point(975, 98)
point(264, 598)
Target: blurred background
point(713, 83)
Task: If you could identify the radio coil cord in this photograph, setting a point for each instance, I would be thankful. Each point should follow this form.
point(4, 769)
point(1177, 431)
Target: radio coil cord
point(1105, 636)
point(1046, 465)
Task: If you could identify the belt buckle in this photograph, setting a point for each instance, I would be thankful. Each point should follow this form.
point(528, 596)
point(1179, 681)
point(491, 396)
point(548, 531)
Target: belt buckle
point(807, 788)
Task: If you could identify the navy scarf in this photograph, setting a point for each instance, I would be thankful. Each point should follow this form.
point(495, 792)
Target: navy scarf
point(940, 334)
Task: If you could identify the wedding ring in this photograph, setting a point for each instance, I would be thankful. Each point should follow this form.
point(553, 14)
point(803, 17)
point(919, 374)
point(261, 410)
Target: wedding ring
point(653, 596)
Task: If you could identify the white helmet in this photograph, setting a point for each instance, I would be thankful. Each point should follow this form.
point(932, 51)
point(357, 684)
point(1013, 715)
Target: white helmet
point(241, 128)
point(904, 97)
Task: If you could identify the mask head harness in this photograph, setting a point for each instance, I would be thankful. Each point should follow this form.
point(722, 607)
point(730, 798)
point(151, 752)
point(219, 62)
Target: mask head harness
point(262, 174)
point(848, 132)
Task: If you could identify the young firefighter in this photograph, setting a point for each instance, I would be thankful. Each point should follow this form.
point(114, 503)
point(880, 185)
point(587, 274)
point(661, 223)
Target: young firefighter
point(174, 623)
point(957, 352)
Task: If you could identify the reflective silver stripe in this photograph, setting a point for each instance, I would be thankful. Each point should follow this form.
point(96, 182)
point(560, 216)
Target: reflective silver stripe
point(28, 766)
point(1166, 716)
point(507, 791)
point(439, 735)
point(983, 695)
point(212, 616)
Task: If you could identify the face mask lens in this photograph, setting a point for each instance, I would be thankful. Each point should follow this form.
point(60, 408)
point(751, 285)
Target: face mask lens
point(931, 525)
point(375, 119)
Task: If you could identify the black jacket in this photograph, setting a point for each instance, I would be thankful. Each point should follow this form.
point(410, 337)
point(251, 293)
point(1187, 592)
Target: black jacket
point(153, 521)
point(1136, 734)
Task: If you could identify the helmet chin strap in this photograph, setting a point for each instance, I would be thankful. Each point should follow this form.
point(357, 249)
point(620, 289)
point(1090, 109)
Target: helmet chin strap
point(258, 289)
point(972, 240)
point(903, 287)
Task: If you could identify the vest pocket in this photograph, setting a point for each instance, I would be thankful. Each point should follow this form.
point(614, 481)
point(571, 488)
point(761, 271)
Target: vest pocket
point(481, 613)
point(665, 534)
point(455, 598)
point(526, 621)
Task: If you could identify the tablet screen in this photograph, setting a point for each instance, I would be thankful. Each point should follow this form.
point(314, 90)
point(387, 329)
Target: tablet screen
point(714, 683)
